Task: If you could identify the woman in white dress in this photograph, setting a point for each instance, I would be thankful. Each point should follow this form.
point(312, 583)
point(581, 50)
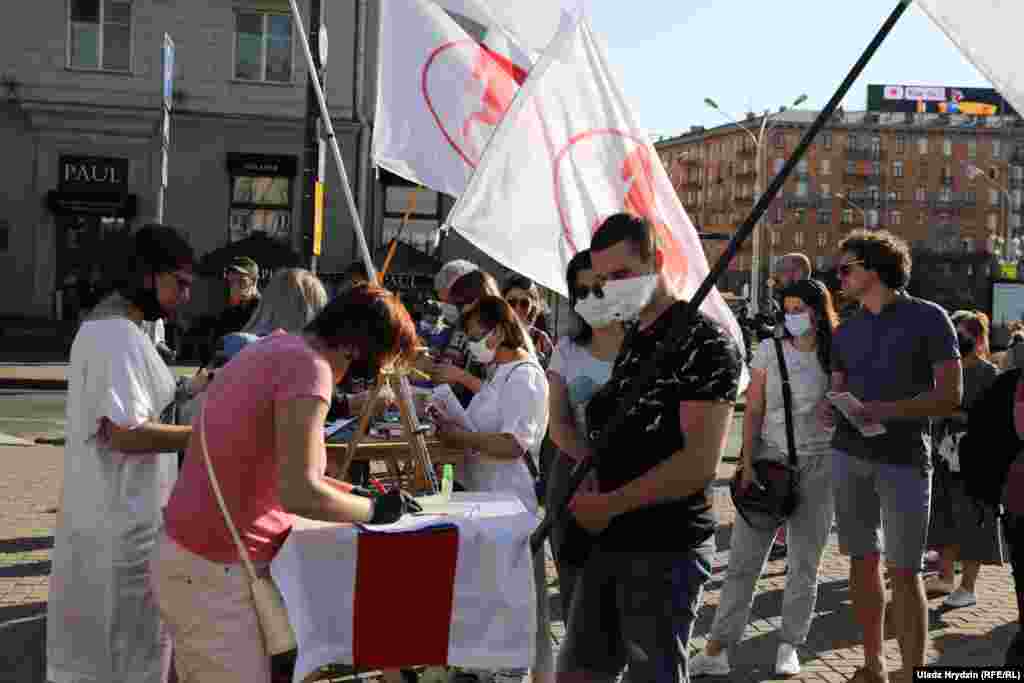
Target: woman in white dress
point(510, 413)
point(119, 467)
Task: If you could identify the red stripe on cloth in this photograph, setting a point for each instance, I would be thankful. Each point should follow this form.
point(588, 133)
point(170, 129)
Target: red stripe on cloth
point(403, 598)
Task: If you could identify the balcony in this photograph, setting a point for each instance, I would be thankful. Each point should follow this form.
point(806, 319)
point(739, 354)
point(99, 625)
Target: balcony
point(865, 199)
point(810, 201)
point(864, 154)
point(746, 151)
point(954, 200)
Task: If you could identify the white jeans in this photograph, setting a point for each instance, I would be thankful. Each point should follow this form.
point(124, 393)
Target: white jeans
point(809, 527)
point(208, 609)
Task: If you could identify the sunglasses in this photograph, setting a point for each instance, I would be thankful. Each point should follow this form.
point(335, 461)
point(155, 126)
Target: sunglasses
point(845, 269)
point(583, 292)
point(522, 304)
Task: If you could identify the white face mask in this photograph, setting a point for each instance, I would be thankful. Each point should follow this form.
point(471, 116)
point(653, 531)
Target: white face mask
point(798, 324)
point(597, 312)
point(480, 351)
point(450, 313)
point(628, 297)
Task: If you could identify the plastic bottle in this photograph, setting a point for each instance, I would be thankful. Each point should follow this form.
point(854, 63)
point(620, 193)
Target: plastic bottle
point(447, 481)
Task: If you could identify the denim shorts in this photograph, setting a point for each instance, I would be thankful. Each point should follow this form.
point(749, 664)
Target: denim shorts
point(876, 497)
point(635, 609)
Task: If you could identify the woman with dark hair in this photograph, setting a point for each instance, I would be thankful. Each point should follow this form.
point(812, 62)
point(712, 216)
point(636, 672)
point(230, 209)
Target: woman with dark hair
point(955, 529)
point(455, 365)
point(523, 295)
point(263, 421)
point(580, 365)
point(119, 466)
point(510, 413)
point(810, 320)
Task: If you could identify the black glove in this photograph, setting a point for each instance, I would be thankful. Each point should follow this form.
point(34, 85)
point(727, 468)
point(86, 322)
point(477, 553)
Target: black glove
point(390, 506)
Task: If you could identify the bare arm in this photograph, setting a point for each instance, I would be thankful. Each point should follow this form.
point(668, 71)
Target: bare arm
point(302, 457)
point(493, 445)
point(562, 424)
point(687, 471)
point(149, 437)
point(753, 413)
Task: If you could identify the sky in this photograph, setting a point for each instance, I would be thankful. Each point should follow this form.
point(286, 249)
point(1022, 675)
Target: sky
point(754, 55)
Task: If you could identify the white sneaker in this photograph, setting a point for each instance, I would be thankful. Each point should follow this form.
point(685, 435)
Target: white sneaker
point(509, 675)
point(706, 665)
point(786, 661)
point(960, 598)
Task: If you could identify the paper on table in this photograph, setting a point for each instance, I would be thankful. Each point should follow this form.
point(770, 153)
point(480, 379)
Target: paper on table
point(447, 403)
point(847, 403)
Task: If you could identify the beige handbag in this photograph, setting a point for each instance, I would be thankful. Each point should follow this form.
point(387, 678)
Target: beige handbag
point(278, 635)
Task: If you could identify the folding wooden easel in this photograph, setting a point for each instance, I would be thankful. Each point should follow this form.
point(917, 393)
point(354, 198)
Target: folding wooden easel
point(423, 469)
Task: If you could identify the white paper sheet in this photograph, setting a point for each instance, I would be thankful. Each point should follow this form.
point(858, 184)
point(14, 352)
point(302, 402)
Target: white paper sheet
point(847, 404)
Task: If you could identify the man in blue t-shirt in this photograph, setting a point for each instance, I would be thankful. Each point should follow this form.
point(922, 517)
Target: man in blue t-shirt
point(899, 357)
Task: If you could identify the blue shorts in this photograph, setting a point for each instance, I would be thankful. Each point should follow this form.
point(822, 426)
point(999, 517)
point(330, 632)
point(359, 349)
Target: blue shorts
point(875, 496)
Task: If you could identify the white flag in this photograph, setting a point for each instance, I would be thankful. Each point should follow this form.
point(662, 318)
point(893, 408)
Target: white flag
point(441, 92)
point(568, 154)
point(987, 32)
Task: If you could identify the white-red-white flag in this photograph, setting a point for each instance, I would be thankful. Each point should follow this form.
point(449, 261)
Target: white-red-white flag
point(568, 154)
point(987, 32)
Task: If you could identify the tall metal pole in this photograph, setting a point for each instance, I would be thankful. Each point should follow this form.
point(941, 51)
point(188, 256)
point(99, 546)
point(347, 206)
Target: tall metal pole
point(312, 166)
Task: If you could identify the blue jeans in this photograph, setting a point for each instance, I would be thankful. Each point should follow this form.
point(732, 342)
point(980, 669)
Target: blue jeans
point(635, 609)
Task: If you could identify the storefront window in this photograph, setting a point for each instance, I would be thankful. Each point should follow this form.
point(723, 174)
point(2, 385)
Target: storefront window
point(420, 230)
point(99, 34)
point(261, 204)
point(263, 47)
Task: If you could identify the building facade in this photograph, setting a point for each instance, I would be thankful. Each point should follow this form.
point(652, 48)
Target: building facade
point(944, 182)
point(80, 124)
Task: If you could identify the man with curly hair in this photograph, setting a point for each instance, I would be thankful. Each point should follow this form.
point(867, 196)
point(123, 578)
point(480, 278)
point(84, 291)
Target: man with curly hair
point(898, 355)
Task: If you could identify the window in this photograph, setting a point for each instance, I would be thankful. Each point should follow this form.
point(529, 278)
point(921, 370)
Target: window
point(779, 215)
point(897, 169)
point(992, 222)
point(993, 197)
point(851, 167)
point(261, 204)
point(847, 218)
point(922, 145)
point(822, 239)
point(775, 238)
point(824, 217)
point(801, 166)
point(780, 140)
point(876, 168)
point(263, 47)
point(901, 143)
point(946, 194)
point(921, 195)
point(895, 218)
point(821, 262)
point(421, 230)
point(798, 216)
point(100, 34)
point(826, 190)
point(876, 144)
point(972, 148)
point(947, 147)
point(801, 188)
point(779, 164)
point(826, 167)
point(873, 218)
point(922, 217)
point(826, 140)
point(798, 238)
point(997, 148)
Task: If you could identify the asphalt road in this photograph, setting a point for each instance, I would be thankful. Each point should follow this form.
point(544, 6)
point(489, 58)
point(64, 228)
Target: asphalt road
point(30, 414)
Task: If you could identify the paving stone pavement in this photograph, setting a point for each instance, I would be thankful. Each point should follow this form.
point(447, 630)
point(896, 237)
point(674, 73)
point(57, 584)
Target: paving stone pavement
point(30, 481)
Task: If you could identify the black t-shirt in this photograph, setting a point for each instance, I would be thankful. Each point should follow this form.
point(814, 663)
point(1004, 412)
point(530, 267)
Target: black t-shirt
point(705, 367)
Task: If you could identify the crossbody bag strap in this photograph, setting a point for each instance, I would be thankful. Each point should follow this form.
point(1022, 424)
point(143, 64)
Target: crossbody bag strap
point(242, 552)
point(787, 401)
point(527, 456)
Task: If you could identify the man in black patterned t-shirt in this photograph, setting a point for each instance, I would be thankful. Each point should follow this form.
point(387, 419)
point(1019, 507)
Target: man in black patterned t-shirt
point(640, 587)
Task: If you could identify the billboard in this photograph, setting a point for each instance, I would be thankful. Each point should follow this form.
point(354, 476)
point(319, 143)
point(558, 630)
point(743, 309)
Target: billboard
point(937, 99)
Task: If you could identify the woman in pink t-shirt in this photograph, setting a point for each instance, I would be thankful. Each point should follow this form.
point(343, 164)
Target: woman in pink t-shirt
point(263, 420)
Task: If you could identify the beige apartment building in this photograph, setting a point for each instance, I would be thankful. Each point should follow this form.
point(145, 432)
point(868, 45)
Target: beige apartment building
point(945, 182)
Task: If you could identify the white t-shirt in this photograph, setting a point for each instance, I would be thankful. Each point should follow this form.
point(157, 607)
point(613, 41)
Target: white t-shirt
point(513, 401)
point(583, 375)
point(808, 382)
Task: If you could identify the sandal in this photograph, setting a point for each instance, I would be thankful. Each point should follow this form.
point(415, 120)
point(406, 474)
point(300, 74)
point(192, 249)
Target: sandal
point(866, 675)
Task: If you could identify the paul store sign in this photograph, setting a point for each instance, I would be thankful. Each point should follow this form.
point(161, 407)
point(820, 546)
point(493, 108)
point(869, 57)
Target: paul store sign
point(93, 174)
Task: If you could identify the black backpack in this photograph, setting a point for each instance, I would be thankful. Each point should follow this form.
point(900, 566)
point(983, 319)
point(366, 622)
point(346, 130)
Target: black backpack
point(991, 443)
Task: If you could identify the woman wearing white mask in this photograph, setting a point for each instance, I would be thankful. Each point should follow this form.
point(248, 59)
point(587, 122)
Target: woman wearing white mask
point(580, 365)
point(810, 320)
point(510, 413)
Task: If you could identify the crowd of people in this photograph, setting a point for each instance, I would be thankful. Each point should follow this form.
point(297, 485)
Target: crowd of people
point(145, 564)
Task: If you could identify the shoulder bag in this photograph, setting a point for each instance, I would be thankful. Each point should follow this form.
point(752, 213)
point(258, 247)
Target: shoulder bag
point(278, 635)
point(772, 495)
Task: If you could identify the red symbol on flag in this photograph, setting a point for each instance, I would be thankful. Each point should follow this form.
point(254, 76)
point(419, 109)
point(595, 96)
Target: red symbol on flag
point(499, 77)
point(635, 192)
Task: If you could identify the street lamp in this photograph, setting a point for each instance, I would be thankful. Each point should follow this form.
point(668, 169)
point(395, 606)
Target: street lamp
point(849, 201)
point(974, 172)
point(758, 140)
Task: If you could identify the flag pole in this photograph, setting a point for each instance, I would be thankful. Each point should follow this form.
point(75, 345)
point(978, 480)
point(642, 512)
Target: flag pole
point(583, 469)
point(325, 118)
